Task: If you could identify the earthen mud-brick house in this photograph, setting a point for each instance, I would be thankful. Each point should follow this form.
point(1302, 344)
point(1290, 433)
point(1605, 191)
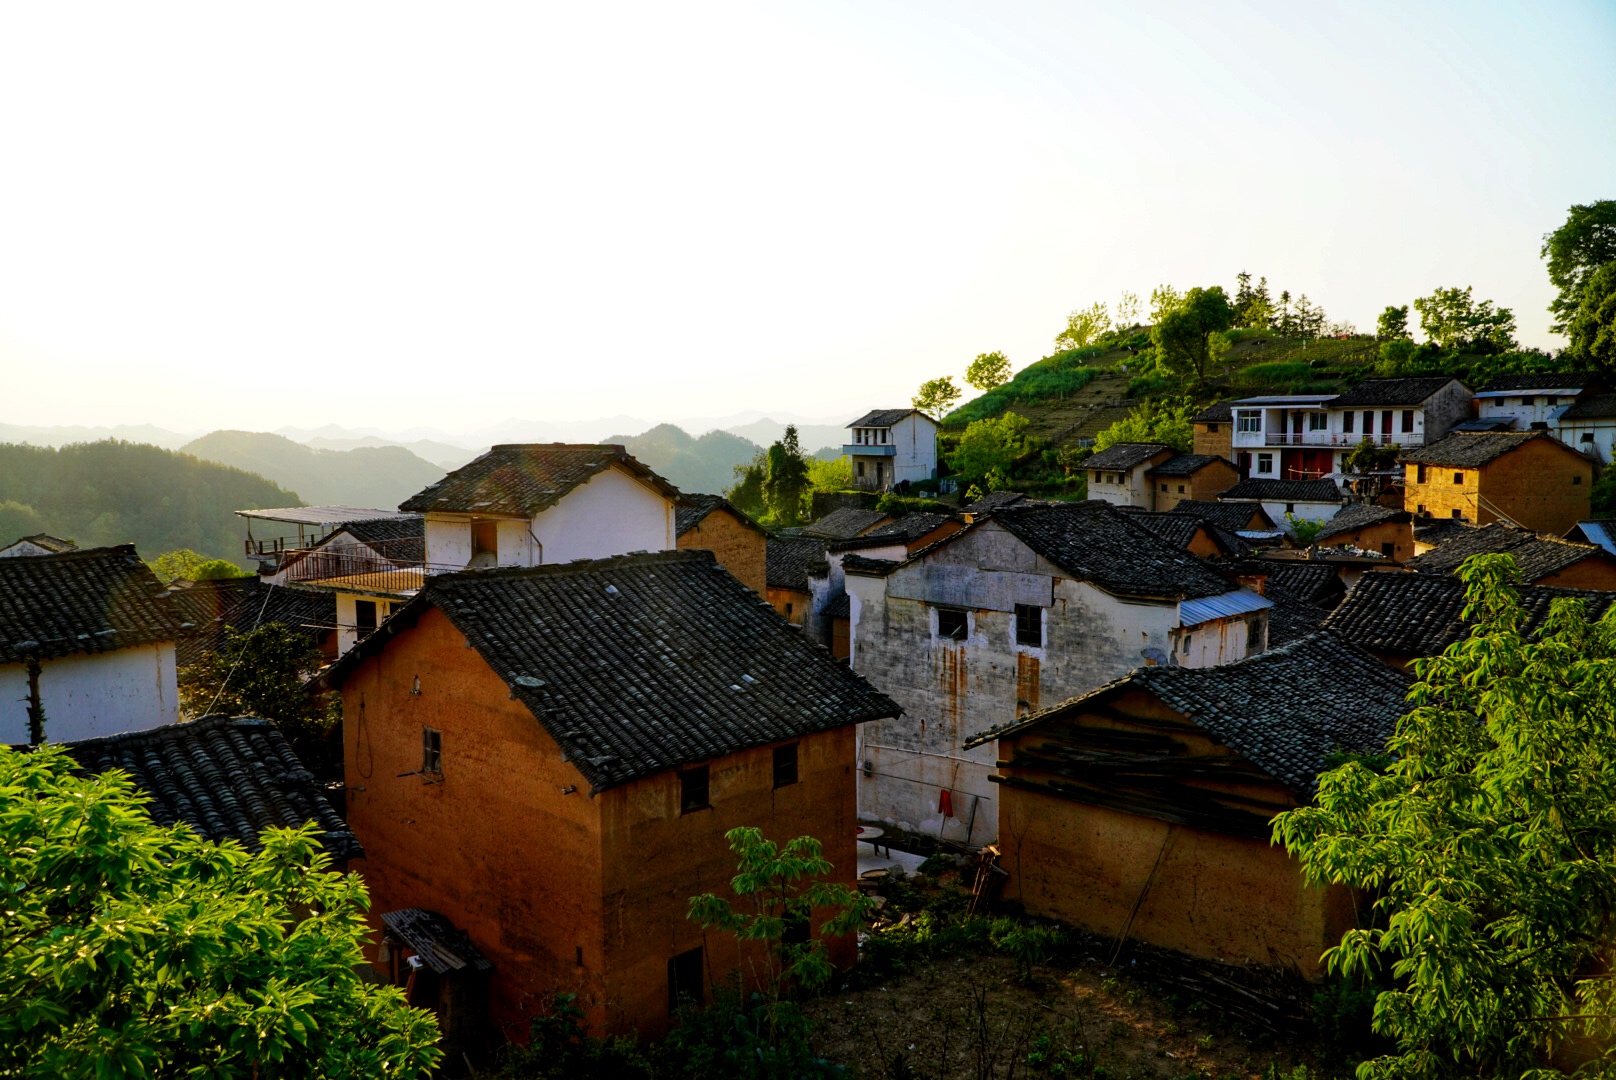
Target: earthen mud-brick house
point(712, 523)
point(1528, 478)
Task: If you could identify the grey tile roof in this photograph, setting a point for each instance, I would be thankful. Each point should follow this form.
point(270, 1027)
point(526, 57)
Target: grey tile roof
point(1391, 393)
point(1125, 455)
point(1317, 491)
point(441, 945)
point(1296, 580)
point(1231, 516)
point(882, 417)
point(858, 564)
point(692, 509)
point(1102, 545)
point(246, 603)
point(53, 545)
point(1597, 407)
point(642, 663)
point(788, 560)
point(400, 539)
point(1411, 615)
point(1179, 529)
point(526, 478)
point(1285, 711)
point(1495, 423)
point(1187, 464)
point(1221, 413)
point(1537, 381)
point(912, 526)
point(1470, 449)
point(1360, 516)
point(839, 606)
point(229, 779)
point(846, 523)
point(93, 600)
point(1439, 530)
point(995, 500)
point(1290, 620)
point(1536, 555)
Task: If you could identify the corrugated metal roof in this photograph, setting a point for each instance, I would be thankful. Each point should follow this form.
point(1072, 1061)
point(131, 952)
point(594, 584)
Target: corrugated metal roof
point(1222, 606)
point(1602, 533)
point(325, 516)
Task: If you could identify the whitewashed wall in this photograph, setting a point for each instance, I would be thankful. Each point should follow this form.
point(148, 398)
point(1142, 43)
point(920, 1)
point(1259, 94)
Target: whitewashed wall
point(87, 696)
point(613, 514)
point(915, 437)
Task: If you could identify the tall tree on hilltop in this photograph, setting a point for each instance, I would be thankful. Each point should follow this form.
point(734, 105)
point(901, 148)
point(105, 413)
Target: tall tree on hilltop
point(936, 396)
point(1127, 311)
point(1392, 324)
point(1454, 320)
point(1593, 325)
point(785, 481)
point(1252, 307)
point(1163, 299)
point(988, 371)
point(1084, 327)
point(1184, 336)
point(1575, 252)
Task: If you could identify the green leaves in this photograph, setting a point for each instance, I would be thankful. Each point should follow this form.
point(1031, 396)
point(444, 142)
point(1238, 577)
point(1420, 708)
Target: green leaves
point(989, 370)
point(1453, 319)
point(1575, 252)
point(936, 396)
point(1183, 332)
point(1490, 843)
point(128, 949)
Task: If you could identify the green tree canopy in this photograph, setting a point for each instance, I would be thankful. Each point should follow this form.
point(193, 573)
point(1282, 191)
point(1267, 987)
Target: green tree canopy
point(1593, 325)
point(1392, 324)
point(1166, 421)
point(936, 396)
point(988, 370)
point(987, 453)
point(1575, 252)
point(130, 949)
point(1252, 306)
point(830, 474)
point(1184, 335)
point(1084, 327)
point(1489, 843)
point(1454, 320)
point(260, 672)
point(18, 520)
point(1163, 299)
point(785, 480)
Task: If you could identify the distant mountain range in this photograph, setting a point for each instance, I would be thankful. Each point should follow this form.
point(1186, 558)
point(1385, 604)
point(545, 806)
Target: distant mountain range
point(447, 455)
point(63, 436)
point(705, 464)
point(369, 476)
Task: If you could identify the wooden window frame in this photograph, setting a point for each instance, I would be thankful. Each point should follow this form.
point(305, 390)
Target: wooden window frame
point(431, 751)
point(1023, 616)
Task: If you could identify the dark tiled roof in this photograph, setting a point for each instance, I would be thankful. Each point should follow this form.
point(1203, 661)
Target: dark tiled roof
point(858, 564)
point(1391, 393)
point(1290, 620)
point(441, 945)
point(1439, 530)
point(229, 779)
point(692, 509)
point(995, 500)
point(246, 603)
point(1496, 423)
point(1125, 455)
point(1598, 407)
point(1221, 413)
point(1186, 464)
point(1537, 556)
point(1361, 516)
point(1318, 491)
point(1099, 544)
point(789, 559)
point(1179, 529)
point(846, 523)
point(1536, 381)
point(1285, 710)
point(839, 606)
point(1299, 581)
point(1469, 449)
point(1231, 516)
point(912, 526)
point(90, 601)
point(525, 478)
point(882, 417)
point(53, 545)
point(1422, 614)
point(399, 539)
point(642, 663)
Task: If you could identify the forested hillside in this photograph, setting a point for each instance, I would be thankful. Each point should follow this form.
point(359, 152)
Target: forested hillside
point(705, 464)
point(374, 476)
point(118, 492)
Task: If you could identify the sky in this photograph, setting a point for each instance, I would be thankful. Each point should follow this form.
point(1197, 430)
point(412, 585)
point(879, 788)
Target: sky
point(438, 217)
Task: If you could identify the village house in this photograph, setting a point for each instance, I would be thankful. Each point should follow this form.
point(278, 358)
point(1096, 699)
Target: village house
point(1189, 477)
point(1142, 810)
point(1192, 532)
point(1244, 518)
point(1589, 426)
point(38, 544)
point(1531, 401)
point(830, 615)
point(1527, 478)
point(1305, 500)
point(207, 608)
point(1370, 527)
point(847, 522)
point(889, 447)
point(1024, 606)
point(1599, 533)
point(1117, 474)
point(919, 529)
point(87, 640)
point(1543, 559)
point(1407, 412)
point(550, 758)
point(1213, 431)
point(790, 560)
point(712, 523)
point(993, 500)
point(1401, 617)
point(1283, 436)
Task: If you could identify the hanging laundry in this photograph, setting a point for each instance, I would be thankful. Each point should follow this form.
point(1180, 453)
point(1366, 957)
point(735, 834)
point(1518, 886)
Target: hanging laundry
point(945, 803)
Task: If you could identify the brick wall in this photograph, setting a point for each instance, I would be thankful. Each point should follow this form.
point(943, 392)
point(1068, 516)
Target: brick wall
point(739, 548)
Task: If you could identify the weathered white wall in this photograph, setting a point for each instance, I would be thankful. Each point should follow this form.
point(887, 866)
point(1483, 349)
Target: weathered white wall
point(1603, 430)
point(915, 436)
point(24, 549)
point(448, 540)
point(348, 618)
point(90, 695)
point(1306, 511)
point(613, 514)
point(1133, 491)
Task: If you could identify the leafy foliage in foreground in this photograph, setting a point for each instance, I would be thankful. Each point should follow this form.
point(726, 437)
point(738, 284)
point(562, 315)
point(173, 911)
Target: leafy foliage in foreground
point(1490, 840)
point(129, 949)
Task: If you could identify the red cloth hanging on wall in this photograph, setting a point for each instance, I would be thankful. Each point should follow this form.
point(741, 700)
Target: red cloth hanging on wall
point(945, 803)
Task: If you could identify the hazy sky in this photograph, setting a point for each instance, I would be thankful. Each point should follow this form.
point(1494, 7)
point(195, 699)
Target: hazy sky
point(442, 216)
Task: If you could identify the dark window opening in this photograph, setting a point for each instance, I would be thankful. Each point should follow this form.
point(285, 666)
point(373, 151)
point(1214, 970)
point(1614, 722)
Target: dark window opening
point(1164, 487)
point(1528, 401)
point(693, 790)
point(685, 980)
point(1346, 422)
point(431, 750)
point(1408, 421)
point(1029, 625)
point(785, 765)
point(788, 609)
point(861, 468)
point(484, 538)
point(796, 932)
point(1587, 436)
point(1212, 429)
point(1419, 474)
point(1388, 549)
point(951, 623)
point(1385, 421)
point(1181, 489)
point(1457, 513)
point(1576, 479)
point(364, 617)
point(1420, 509)
point(1290, 508)
point(1458, 478)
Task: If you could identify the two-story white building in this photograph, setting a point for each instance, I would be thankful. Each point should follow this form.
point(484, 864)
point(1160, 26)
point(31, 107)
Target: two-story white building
point(1532, 401)
point(1590, 426)
point(1024, 607)
point(889, 447)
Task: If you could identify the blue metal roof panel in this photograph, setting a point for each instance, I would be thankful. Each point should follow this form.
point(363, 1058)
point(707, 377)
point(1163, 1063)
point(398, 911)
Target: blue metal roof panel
point(1222, 606)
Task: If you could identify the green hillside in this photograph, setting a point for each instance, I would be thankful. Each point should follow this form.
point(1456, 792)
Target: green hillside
point(705, 464)
point(373, 476)
point(118, 493)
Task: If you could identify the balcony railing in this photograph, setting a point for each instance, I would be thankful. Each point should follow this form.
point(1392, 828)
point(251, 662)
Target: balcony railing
point(872, 450)
point(1341, 439)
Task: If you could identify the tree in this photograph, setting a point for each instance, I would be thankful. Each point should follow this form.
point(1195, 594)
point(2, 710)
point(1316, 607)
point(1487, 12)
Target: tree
point(1310, 319)
point(1392, 324)
point(1166, 421)
point(1252, 307)
point(988, 451)
point(1489, 843)
point(989, 370)
point(134, 949)
point(1127, 311)
point(1183, 335)
point(937, 396)
point(18, 520)
point(180, 565)
point(1085, 327)
point(785, 480)
point(1592, 327)
point(1303, 530)
point(830, 474)
point(1163, 299)
point(1575, 252)
point(259, 672)
point(1454, 320)
point(1370, 457)
point(747, 491)
point(1284, 322)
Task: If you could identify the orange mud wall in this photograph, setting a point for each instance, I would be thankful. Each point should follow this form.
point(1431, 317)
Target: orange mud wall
point(740, 549)
point(563, 892)
point(798, 601)
point(1540, 485)
point(1195, 889)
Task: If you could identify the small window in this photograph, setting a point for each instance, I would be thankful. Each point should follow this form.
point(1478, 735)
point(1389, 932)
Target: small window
point(1587, 436)
point(1316, 421)
point(693, 790)
point(1368, 422)
point(1458, 478)
point(1385, 421)
point(951, 623)
point(785, 765)
point(1265, 463)
point(1290, 508)
point(1164, 487)
point(1346, 422)
point(1420, 509)
point(789, 606)
point(364, 617)
point(685, 980)
point(1181, 489)
point(1528, 401)
point(1212, 429)
point(1388, 549)
point(1576, 479)
point(1456, 513)
point(1408, 421)
point(861, 468)
point(1029, 625)
point(484, 538)
point(1419, 474)
point(431, 751)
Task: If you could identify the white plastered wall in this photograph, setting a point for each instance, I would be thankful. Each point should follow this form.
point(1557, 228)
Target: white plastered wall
point(89, 695)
